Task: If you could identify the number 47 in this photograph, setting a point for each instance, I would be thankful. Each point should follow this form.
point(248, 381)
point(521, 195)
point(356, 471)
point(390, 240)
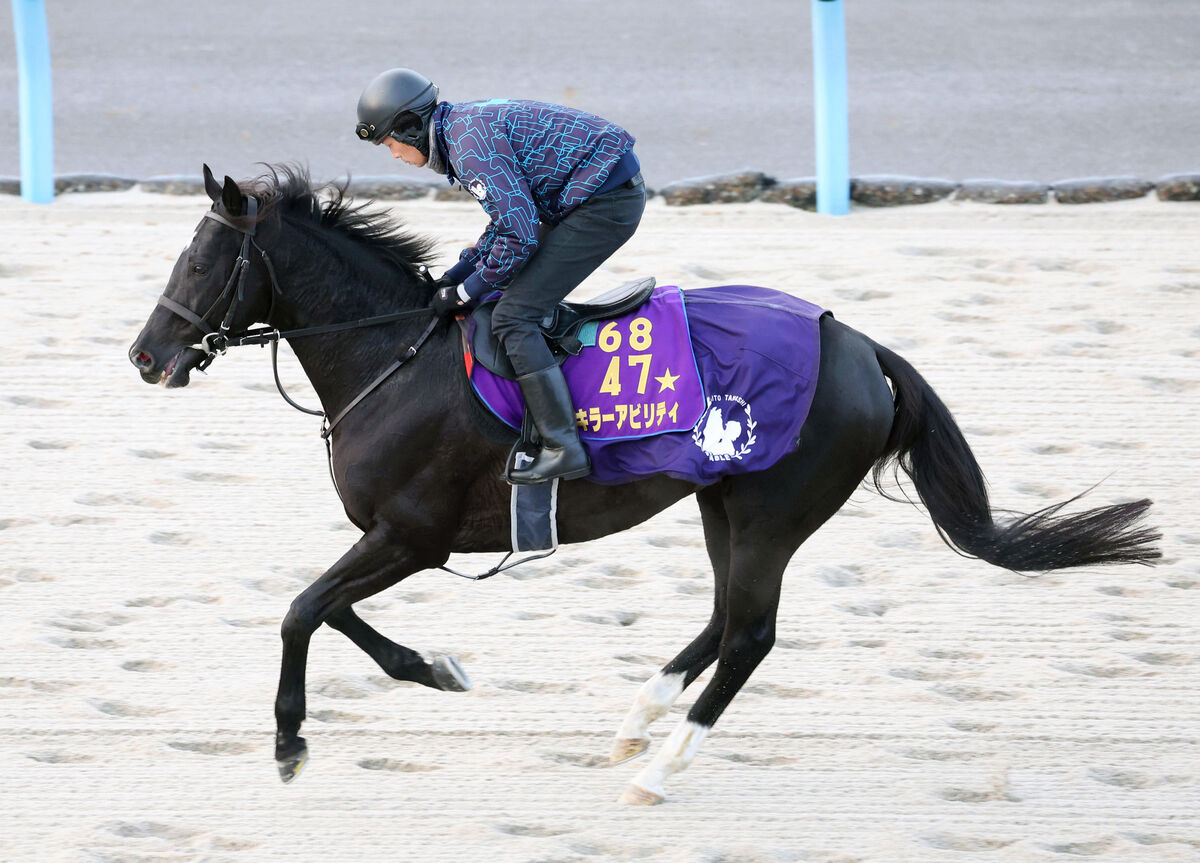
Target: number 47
point(612, 377)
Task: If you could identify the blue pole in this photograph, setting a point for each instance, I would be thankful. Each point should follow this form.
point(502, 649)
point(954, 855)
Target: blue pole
point(37, 105)
point(830, 103)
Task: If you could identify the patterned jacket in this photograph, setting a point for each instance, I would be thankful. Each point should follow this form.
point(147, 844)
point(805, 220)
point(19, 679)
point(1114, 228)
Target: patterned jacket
point(528, 164)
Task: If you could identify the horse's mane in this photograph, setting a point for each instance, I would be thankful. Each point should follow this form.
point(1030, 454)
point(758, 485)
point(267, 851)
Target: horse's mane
point(289, 189)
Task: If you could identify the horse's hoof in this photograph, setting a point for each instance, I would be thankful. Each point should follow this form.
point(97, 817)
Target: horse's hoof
point(290, 767)
point(627, 748)
point(636, 795)
point(449, 675)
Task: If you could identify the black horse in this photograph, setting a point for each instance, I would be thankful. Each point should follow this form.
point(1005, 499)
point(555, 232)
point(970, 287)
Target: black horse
point(418, 462)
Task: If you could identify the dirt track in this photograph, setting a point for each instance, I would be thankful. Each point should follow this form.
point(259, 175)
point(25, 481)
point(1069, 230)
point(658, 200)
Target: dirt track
point(918, 706)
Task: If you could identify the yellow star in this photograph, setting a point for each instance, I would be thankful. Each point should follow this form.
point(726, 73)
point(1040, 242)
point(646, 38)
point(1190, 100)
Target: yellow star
point(667, 381)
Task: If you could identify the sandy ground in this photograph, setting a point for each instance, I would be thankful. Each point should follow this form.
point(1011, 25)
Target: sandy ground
point(918, 706)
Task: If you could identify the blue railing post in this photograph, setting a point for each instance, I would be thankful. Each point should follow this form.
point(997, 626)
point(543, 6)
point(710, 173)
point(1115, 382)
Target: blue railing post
point(830, 103)
point(37, 105)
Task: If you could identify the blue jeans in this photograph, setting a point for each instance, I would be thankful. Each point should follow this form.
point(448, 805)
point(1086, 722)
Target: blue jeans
point(567, 255)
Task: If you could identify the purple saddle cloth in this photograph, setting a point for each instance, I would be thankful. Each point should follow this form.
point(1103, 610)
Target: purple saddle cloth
point(694, 385)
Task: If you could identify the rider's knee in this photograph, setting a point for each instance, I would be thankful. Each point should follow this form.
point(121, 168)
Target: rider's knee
point(507, 321)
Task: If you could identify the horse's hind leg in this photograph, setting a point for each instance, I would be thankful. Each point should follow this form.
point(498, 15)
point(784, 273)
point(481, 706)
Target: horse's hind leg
point(769, 514)
point(756, 571)
point(658, 693)
point(766, 528)
point(435, 670)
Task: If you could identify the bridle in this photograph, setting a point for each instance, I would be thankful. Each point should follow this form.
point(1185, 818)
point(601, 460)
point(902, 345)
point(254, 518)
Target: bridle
point(215, 342)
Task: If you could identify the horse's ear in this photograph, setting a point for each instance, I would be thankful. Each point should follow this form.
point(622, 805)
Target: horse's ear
point(232, 197)
point(211, 185)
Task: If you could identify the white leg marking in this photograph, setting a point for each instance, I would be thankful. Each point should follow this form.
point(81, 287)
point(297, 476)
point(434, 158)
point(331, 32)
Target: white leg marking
point(654, 699)
point(676, 754)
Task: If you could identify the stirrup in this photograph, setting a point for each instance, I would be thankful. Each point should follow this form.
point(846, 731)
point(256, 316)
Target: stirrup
point(526, 452)
point(520, 460)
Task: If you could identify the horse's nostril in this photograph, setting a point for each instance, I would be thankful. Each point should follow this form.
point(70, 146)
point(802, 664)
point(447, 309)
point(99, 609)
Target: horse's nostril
point(141, 359)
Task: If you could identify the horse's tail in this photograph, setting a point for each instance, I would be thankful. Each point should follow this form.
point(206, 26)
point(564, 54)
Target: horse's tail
point(926, 443)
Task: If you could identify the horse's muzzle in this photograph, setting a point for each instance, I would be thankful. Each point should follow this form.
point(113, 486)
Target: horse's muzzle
point(175, 372)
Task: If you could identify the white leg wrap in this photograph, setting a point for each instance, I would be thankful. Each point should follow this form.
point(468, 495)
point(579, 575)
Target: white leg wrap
point(675, 755)
point(654, 699)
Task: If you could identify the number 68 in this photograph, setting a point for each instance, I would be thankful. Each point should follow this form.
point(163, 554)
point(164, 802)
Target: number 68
point(609, 338)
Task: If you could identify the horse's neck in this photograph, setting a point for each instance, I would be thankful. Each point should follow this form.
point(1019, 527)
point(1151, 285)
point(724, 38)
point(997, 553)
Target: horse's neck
point(315, 292)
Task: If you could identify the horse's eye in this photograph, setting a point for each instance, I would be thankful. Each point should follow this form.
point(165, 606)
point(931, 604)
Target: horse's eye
point(199, 269)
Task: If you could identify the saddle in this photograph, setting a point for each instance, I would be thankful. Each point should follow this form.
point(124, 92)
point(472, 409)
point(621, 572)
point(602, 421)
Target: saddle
point(568, 328)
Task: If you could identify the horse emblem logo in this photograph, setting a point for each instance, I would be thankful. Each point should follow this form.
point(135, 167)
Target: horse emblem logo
point(725, 431)
point(478, 189)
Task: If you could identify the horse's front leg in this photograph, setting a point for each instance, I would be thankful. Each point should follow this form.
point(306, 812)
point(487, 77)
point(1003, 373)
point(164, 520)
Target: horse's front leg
point(435, 670)
point(374, 563)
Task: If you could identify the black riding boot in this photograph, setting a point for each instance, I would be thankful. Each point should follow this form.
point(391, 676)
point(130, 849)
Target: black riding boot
point(562, 455)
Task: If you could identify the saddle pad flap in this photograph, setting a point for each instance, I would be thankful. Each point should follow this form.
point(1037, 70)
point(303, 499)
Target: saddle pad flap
point(758, 353)
point(534, 514)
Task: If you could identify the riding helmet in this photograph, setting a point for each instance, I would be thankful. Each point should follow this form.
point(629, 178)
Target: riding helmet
point(390, 95)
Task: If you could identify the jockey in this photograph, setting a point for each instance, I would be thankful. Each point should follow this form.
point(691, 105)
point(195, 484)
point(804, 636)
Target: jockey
point(563, 190)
